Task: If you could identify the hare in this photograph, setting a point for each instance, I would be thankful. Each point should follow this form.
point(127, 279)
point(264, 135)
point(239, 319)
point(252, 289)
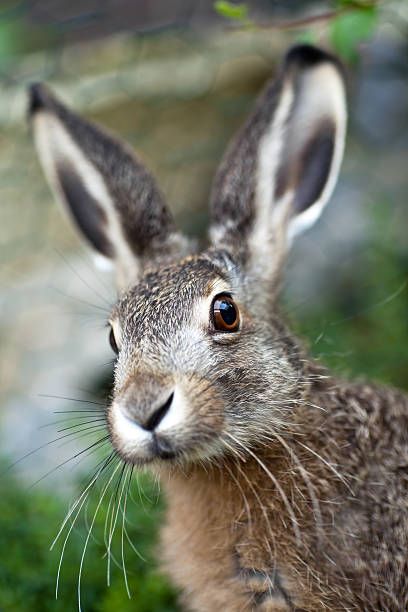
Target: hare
point(286, 488)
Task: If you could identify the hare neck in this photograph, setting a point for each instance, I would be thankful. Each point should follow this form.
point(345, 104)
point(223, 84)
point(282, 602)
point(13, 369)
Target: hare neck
point(239, 521)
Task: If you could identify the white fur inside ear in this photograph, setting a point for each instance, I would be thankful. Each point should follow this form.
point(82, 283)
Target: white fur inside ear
point(101, 262)
point(269, 158)
point(55, 146)
point(316, 96)
point(323, 96)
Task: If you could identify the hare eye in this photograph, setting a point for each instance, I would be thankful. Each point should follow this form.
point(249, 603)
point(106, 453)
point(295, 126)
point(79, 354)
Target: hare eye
point(225, 314)
point(112, 341)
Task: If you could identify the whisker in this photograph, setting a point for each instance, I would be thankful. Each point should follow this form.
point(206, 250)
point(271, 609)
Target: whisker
point(244, 499)
point(277, 486)
point(79, 502)
point(375, 306)
point(71, 399)
point(94, 271)
point(80, 300)
point(97, 443)
point(78, 434)
point(93, 418)
point(129, 539)
point(57, 580)
point(82, 424)
point(114, 519)
point(264, 513)
point(141, 494)
point(123, 530)
point(110, 514)
point(89, 534)
point(69, 265)
point(89, 411)
point(328, 464)
point(307, 481)
point(88, 453)
point(32, 452)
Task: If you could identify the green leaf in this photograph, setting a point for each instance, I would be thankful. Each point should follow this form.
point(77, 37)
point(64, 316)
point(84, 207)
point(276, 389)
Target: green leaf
point(357, 3)
point(237, 12)
point(349, 29)
point(10, 37)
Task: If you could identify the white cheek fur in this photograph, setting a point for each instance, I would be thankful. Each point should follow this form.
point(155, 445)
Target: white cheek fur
point(133, 439)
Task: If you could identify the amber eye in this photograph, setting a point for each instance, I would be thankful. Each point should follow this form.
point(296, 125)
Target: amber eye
point(112, 341)
point(225, 314)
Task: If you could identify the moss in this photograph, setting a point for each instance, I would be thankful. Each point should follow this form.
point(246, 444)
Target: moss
point(28, 523)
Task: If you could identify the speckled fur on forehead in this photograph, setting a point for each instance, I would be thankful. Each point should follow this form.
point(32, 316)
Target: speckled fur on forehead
point(164, 296)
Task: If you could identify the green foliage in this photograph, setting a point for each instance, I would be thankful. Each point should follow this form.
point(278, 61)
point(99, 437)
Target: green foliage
point(361, 330)
point(11, 33)
point(229, 10)
point(350, 28)
point(28, 523)
point(16, 36)
point(356, 3)
point(350, 23)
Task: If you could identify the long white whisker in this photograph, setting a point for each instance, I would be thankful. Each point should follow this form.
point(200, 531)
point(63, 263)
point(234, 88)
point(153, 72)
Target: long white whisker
point(306, 478)
point(78, 501)
point(89, 534)
point(328, 464)
point(264, 513)
point(277, 486)
point(246, 504)
point(123, 531)
point(65, 544)
point(133, 547)
point(114, 518)
point(258, 499)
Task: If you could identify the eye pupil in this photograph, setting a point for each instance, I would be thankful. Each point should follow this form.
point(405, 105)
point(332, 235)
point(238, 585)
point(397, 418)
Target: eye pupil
point(225, 314)
point(228, 312)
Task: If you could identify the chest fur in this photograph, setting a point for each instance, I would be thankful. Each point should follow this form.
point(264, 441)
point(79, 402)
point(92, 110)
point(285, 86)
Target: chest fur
point(228, 551)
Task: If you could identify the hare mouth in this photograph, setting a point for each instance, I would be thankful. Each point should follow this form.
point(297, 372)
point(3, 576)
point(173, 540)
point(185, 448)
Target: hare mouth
point(162, 448)
point(156, 448)
point(142, 446)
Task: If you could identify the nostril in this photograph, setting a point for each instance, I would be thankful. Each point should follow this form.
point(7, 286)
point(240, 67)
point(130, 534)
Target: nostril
point(155, 418)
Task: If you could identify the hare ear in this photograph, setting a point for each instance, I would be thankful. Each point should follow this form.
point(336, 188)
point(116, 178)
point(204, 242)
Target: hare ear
point(280, 171)
point(110, 196)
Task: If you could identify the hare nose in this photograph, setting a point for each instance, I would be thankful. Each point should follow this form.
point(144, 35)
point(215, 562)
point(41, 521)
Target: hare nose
point(153, 420)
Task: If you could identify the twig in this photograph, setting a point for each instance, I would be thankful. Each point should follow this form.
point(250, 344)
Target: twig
point(302, 22)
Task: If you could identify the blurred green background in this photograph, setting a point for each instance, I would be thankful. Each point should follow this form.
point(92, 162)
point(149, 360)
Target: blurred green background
point(175, 79)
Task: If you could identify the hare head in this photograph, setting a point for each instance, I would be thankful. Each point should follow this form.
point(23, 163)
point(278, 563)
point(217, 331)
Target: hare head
point(204, 363)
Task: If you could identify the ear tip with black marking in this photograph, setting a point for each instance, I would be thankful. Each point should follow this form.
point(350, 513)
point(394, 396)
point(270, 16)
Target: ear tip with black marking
point(39, 98)
point(308, 56)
